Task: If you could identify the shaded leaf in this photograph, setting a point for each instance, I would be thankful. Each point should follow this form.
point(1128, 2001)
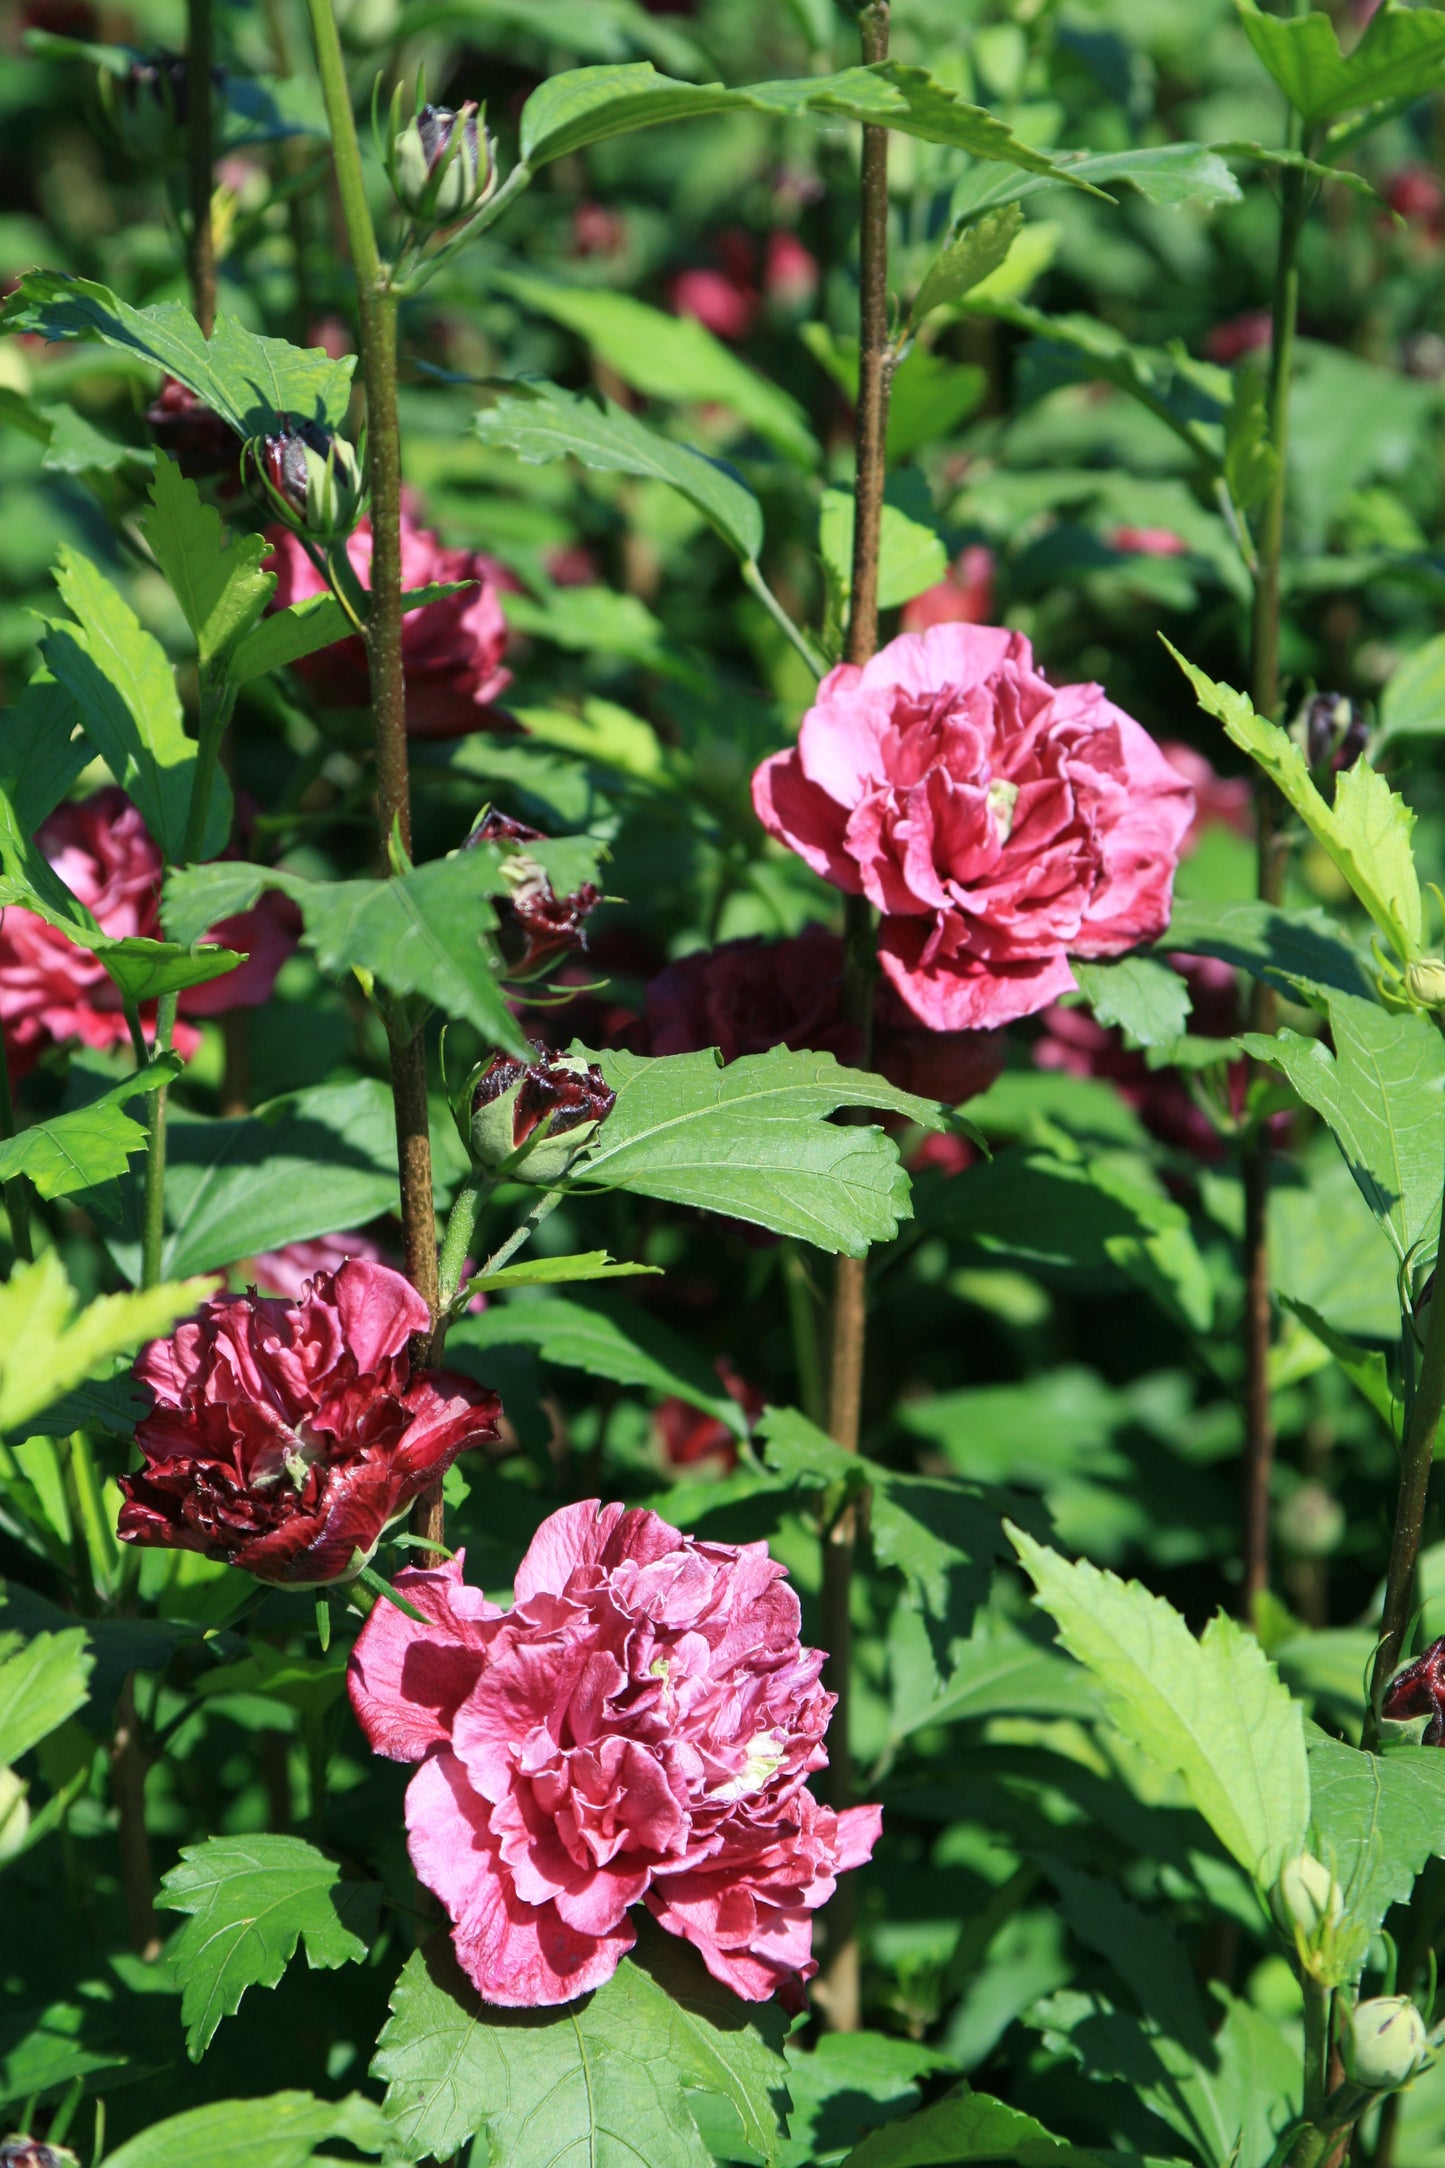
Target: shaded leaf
point(216, 577)
point(910, 556)
point(967, 2126)
point(316, 621)
point(1270, 942)
point(1164, 173)
point(629, 1349)
point(278, 2130)
point(966, 259)
point(91, 1145)
point(43, 1680)
point(1413, 704)
point(40, 752)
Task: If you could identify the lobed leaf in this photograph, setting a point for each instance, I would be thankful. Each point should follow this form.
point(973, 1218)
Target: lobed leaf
point(1376, 1819)
point(46, 1349)
point(43, 1680)
point(92, 1144)
point(215, 577)
point(1401, 55)
point(1147, 1000)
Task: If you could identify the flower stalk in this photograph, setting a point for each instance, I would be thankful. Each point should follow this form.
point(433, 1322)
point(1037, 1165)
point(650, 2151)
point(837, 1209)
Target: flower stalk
point(839, 1984)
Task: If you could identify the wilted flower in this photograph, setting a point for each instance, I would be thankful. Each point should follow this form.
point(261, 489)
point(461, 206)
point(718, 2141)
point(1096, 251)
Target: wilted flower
point(964, 596)
point(534, 924)
point(200, 443)
point(311, 477)
point(1385, 2043)
point(999, 823)
point(1332, 731)
point(451, 651)
point(53, 991)
point(551, 1106)
point(442, 165)
point(640, 1726)
point(285, 1437)
point(1419, 1690)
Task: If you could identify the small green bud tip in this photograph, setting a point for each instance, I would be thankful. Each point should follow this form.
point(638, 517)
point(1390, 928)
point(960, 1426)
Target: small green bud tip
point(441, 164)
point(1386, 2044)
point(1307, 1896)
point(1425, 982)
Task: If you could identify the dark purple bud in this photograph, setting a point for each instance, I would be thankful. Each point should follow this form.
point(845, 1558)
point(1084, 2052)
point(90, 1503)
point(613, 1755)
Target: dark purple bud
point(18, 2152)
point(441, 163)
point(147, 106)
point(552, 1105)
point(1419, 1690)
point(534, 924)
point(312, 478)
point(1334, 732)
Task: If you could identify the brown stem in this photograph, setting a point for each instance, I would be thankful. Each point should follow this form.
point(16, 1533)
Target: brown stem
point(839, 1981)
point(127, 1783)
point(200, 160)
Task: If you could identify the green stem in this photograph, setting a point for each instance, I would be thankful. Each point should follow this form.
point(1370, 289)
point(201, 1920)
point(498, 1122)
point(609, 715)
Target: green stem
point(462, 1224)
point(16, 1192)
point(542, 1209)
point(200, 160)
point(755, 583)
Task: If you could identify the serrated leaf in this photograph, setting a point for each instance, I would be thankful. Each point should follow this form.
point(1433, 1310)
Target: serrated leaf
point(316, 621)
point(1145, 999)
point(1213, 1710)
point(752, 1140)
point(1270, 943)
point(1401, 55)
point(92, 1144)
point(43, 1680)
point(1251, 463)
point(541, 422)
point(1413, 703)
point(216, 577)
point(121, 682)
point(1365, 1367)
point(1382, 1091)
point(1376, 1819)
point(604, 2081)
point(278, 2130)
point(966, 259)
point(248, 381)
point(251, 1900)
point(46, 1348)
point(910, 556)
point(848, 2083)
point(669, 357)
point(626, 1346)
point(1164, 173)
point(1367, 830)
point(40, 753)
point(967, 2126)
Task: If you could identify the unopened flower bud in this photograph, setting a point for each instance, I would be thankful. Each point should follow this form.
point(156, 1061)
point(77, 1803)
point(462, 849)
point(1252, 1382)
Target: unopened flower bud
point(540, 1114)
point(442, 165)
point(14, 1814)
point(1307, 1896)
point(19, 2152)
point(311, 477)
point(1386, 2044)
point(1419, 1690)
point(1332, 731)
point(1425, 982)
point(146, 107)
point(534, 924)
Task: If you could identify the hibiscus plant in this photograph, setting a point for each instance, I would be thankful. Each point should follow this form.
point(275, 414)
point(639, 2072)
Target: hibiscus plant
point(722, 1108)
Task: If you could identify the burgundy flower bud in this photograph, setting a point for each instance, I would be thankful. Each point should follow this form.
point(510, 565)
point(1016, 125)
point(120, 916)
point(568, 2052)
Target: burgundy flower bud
point(547, 1110)
point(442, 165)
point(286, 1436)
point(311, 477)
point(534, 924)
point(1419, 1690)
point(20, 2152)
point(1333, 732)
point(196, 438)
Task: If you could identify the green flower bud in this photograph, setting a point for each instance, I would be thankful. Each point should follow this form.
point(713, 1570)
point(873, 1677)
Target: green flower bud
point(1425, 982)
point(312, 478)
point(1386, 2044)
point(14, 1814)
point(531, 1119)
point(441, 164)
point(1307, 1897)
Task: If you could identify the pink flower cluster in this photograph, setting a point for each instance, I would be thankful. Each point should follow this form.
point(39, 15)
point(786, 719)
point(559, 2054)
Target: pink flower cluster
point(640, 1726)
point(52, 991)
point(286, 1435)
point(452, 651)
point(999, 823)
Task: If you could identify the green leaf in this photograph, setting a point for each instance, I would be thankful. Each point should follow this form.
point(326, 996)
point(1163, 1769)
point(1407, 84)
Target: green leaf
point(278, 2130)
point(42, 1682)
point(966, 259)
point(80, 1150)
point(1365, 1367)
point(752, 1140)
point(40, 754)
point(995, 1675)
point(1270, 943)
point(848, 2083)
point(967, 2126)
point(1251, 463)
point(1382, 1091)
point(120, 680)
point(1147, 1000)
point(46, 1349)
point(1165, 173)
point(316, 621)
point(910, 557)
point(1213, 1710)
point(248, 381)
point(1401, 55)
point(418, 933)
point(216, 577)
point(1376, 1819)
point(1413, 704)
point(668, 357)
point(587, 105)
point(555, 1271)
point(541, 422)
point(579, 1336)
point(604, 2081)
point(251, 1900)
point(1367, 830)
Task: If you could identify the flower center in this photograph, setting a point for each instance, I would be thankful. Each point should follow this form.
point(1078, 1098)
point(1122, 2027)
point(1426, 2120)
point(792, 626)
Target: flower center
point(1002, 798)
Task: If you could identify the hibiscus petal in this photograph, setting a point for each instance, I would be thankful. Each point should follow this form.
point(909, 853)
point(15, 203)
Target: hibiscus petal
point(380, 1310)
point(407, 1681)
point(962, 992)
point(804, 817)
